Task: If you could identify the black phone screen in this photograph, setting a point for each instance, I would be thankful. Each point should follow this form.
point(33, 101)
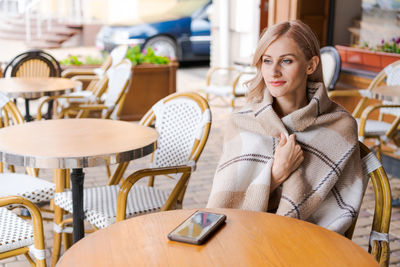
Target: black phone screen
point(196, 228)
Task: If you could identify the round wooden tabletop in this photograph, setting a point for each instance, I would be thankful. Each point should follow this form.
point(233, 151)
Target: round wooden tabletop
point(37, 87)
point(387, 92)
point(75, 143)
point(247, 239)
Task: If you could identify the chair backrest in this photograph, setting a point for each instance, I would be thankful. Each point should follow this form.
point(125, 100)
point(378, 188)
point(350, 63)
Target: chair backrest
point(183, 121)
point(10, 115)
point(118, 81)
point(118, 54)
point(331, 65)
point(15, 233)
point(34, 63)
point(115, 57)
point(379, 236)
point(392, 78)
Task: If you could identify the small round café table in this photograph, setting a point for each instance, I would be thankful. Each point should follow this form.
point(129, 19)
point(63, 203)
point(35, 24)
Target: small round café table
point(32, 88)
point(387, 92)
point(75, 144)
point(247, 239)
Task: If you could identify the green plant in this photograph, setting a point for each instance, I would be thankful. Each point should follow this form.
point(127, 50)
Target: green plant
point(71, 60)
point(93, 60)
point(136, 56)
point(392, 46)
point(76, 60)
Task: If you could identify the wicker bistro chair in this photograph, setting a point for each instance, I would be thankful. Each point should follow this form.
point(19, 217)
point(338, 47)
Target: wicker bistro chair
point(33, 63)
point(331, 65)
point(17, 236)
point(93, 75)
point(183, 121)
point(376, 129)
point(114, 85)
point(227, 82)
point(379, 236)
point(28, 186)
point(115, 57)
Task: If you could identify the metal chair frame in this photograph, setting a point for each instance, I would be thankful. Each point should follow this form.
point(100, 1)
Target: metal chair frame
point(379, 237)
point(363, 110)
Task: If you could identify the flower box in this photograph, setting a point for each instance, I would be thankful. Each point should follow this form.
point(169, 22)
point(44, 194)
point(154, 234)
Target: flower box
point(150, 83)
point(364, 59)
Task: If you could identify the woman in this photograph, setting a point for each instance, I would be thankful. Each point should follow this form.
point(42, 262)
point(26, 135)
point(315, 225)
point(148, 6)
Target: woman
point(291, 150)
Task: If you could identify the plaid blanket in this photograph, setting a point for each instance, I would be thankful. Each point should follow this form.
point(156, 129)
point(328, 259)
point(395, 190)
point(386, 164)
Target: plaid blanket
point(328, 186)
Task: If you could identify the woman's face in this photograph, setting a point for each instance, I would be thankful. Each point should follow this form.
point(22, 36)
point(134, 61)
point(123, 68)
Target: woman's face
point(285, 69)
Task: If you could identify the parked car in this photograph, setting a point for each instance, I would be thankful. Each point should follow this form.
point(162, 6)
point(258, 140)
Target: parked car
point(182, 32)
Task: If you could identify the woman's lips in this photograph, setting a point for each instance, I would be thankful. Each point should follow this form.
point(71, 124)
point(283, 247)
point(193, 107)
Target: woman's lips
point(277, 83)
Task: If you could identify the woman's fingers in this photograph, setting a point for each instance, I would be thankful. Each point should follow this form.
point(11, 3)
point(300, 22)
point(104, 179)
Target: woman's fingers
point(283, 140)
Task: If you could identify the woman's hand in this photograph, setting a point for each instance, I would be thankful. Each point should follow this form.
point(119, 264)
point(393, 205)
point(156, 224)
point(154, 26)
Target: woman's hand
point(287, 158)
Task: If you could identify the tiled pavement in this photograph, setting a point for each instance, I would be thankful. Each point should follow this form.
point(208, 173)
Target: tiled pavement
point(200, 184)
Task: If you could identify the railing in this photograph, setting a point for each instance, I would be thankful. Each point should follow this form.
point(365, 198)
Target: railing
point(29, 8)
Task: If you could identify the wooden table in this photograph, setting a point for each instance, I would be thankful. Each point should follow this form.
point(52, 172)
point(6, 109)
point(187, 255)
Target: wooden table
point(75, 144)
point(387, 93)
point(32, 88)
point(247, 239)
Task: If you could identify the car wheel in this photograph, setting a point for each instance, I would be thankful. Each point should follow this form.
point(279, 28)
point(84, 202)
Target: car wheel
point(163, 46)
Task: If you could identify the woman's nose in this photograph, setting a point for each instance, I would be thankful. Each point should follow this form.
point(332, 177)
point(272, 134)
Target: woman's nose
point(276, 71)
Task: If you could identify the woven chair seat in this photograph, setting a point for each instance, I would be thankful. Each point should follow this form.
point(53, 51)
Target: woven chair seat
point(374, 127)
point(31, 188)
point(100, 203)
point(14, 231)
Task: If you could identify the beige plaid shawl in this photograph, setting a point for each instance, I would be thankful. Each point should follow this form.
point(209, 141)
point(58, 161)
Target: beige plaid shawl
point(328, 186)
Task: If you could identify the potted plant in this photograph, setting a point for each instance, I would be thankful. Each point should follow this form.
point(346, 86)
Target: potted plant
point(153, 78)
point(369, 58)
point(73, 61)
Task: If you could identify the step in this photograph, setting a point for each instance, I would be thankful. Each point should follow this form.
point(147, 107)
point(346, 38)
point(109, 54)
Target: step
point(59, 30)
point(41, 44)
point(33, 22)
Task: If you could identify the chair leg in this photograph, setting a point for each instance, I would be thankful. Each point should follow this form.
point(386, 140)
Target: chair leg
point(67, 239)
point(379, 152)
point(151, 181)
point(60, 177)
point(108, 171)
point(58, 214)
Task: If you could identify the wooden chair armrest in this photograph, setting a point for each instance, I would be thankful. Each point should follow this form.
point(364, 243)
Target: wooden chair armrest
point(85, 78)
point(50, 98)
point(89, 107)
point(37, 221)
point(336, 93)
point(74, 72)
point(136, 176)
point(367, 111)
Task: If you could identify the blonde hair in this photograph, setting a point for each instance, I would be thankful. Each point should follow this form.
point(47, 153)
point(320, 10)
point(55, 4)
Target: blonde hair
point(298, 32)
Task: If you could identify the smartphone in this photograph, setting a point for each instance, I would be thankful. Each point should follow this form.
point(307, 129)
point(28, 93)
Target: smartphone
point(197, 228)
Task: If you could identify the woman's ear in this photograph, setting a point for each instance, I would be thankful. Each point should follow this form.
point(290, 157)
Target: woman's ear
point(312, 65)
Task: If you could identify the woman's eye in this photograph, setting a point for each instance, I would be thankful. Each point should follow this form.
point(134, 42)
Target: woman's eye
point(287, 61)
point(267, 61)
